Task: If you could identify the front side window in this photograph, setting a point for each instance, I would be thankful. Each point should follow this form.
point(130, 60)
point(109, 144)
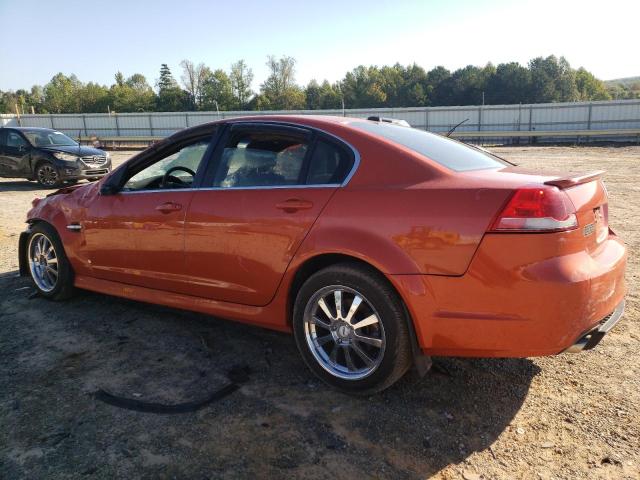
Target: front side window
point(15, 140)
point(177, 170)
point(255, 158)
point(330, 164)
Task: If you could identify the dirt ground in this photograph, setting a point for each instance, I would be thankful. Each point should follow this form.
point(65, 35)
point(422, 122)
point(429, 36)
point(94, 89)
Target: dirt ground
point(570, 416)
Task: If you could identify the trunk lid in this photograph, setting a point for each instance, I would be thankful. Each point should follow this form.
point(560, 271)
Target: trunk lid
point(585, 190)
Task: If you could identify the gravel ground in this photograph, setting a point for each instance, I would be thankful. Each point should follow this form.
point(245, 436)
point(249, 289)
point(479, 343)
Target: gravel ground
point(570, 416)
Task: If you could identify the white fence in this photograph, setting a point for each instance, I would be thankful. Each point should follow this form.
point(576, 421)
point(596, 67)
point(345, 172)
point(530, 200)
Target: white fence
point(556, 117)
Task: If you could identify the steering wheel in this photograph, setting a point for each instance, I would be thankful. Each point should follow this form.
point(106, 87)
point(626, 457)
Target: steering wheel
point(174, 179)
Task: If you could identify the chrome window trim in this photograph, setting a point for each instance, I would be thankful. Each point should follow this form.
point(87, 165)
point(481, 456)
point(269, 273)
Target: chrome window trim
point(195, 189)
point(356, 154)
point(345, 182)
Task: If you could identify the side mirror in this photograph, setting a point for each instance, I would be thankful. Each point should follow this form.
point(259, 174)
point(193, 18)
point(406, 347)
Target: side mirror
point(22, 148)
point(108, 189)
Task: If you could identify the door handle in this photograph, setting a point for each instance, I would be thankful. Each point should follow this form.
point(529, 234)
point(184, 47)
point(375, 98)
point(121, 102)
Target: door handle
point(293, 205)
point(169, 207)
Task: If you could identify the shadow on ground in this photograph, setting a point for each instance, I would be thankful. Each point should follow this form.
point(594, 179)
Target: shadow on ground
point(281, 423)
point(20, 186)
point(25, 186)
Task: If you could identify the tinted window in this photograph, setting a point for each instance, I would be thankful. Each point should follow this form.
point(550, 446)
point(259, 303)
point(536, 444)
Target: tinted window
point(159, 176)
point(44, 138)
point(254, 158)
point(447, 152)
point(329, 164)
point(3, 138)
point(15, 140)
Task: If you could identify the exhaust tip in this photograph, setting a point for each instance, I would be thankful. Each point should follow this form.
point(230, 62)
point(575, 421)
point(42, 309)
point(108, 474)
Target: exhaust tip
point(577, 347)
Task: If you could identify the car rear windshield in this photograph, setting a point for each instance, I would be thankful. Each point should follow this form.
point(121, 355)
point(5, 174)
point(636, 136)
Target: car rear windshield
point(449, 153)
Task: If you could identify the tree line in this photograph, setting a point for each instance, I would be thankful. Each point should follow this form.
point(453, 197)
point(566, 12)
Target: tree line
point(542, 80)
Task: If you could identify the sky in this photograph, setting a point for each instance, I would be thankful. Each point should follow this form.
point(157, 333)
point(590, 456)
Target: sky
point(93, 39)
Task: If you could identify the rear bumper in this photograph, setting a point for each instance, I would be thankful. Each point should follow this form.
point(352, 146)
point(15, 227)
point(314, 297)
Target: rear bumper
point(590, 339)
point(517, 299)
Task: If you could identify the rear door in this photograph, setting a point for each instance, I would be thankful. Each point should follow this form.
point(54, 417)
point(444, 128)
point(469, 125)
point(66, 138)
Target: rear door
point(266, 188)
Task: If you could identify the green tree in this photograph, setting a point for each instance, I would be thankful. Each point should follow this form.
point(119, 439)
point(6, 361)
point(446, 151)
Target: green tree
point(436, 85)
point(171, 98)
point(415, 87)
point(312, 95)
point(61, 94)
point(552, 80)
point(241, 77)
point(511, 83)
point(193, 77)
point(132, 95)
point(217, 92)
point(119, 77)
point(589, 87)
point(322, 96)
point(330, 96)
point(279, 90)
point(166, 80)
point(94, 98)
point(363, 88)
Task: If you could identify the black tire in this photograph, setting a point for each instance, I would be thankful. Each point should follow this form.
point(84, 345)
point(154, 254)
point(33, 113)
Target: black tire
point(47, 175)
point(63, 287)
point(394, 358)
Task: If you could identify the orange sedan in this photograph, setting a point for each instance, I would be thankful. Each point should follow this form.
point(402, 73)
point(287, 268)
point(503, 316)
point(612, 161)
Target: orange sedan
point(376, 244)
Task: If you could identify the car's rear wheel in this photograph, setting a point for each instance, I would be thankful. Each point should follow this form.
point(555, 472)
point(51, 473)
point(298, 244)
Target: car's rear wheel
point(351, 329)
point(48, 265)
point(47, 175)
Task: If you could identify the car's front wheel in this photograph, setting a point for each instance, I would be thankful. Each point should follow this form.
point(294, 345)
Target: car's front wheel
point(47, 175)
point(351, 329)
point(48, 265)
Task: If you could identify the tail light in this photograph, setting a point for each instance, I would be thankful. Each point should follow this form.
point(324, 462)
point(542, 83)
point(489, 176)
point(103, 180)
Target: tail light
point(538, 209)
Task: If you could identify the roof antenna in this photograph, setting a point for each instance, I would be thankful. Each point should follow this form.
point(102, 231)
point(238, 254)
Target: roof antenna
point(456, 126)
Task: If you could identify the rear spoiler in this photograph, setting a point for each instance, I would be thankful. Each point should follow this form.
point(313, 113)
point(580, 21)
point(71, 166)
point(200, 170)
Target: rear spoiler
point(573, 180)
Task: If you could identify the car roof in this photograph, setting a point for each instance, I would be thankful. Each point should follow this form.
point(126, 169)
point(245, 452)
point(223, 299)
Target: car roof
point(31, 129)
point(302, 119)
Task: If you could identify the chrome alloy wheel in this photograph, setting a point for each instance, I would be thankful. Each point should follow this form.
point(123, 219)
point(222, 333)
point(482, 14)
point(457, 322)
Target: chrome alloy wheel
point(47, 175)
point(344, 332)
point(43, 262)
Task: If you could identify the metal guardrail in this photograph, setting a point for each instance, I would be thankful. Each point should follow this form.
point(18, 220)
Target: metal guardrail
point(625, 132)
point(120, 141)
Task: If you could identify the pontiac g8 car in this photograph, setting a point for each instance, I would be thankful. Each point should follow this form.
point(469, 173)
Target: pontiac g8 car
point(377, 245)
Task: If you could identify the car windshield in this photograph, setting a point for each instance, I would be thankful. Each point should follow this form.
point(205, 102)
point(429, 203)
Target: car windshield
point(447, 152)
point(46, 138)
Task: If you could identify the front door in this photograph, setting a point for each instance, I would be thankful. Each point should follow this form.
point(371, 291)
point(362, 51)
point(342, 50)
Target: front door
point(14, 160)
point(267, 189)
point(3, 145)
point(136, 236)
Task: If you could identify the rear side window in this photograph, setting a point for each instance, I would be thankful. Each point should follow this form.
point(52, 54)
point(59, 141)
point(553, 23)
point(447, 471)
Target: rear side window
point(330, 164)
point(448, 153)
point(261, 158)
